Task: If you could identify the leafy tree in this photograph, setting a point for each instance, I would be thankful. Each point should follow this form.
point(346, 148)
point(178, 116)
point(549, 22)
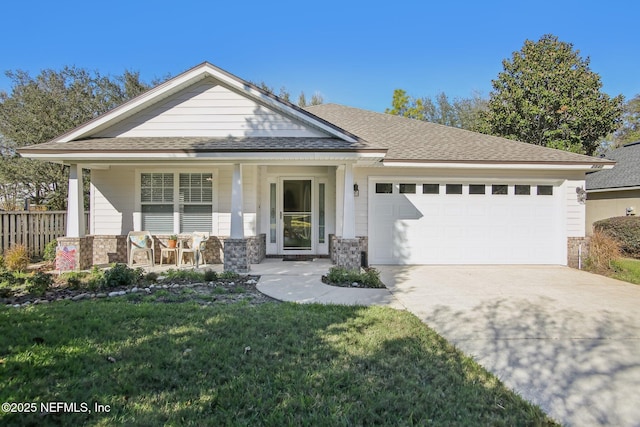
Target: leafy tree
point(284, 94)
point(40, 108)
point(547, 95)
point(466, 113)
point(629, 130)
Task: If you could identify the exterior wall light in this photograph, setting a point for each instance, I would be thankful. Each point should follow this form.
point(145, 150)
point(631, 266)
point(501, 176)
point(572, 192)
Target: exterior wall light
point(356, 191)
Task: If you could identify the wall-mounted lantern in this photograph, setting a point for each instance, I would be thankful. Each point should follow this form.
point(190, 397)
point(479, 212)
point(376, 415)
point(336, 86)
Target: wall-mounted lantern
point(356, 191)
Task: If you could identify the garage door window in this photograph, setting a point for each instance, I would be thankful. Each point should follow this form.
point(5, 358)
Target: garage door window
point(384, 188)
point(454, 189)
point(407, 189)
point(523, 190)
point(430, 188)
point(500, 189)
point(476, 189)
point(545, 190)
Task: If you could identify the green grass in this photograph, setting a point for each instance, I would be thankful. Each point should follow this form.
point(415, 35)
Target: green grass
point(184, 364)
point(626, 269)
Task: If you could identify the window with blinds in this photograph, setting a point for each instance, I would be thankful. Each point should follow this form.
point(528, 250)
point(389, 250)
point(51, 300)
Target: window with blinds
point(157, 202)
point(196, 197)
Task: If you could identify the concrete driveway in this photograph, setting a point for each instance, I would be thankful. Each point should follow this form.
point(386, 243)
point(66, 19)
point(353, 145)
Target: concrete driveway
point(564, 339)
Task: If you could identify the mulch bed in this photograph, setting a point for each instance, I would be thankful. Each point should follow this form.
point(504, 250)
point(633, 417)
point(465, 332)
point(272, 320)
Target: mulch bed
point(220, 291)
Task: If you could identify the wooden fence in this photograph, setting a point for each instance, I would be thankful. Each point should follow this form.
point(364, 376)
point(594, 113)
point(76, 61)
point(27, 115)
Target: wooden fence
point(32, 229)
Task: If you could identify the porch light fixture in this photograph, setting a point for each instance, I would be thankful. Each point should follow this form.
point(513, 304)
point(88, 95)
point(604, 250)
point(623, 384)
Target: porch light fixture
point(356, 191)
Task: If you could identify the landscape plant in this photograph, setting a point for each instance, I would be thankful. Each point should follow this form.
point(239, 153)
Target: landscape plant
point(16, 258)
point(625, 230)
point(50, 251)
point(603, 249)
point(369, 277)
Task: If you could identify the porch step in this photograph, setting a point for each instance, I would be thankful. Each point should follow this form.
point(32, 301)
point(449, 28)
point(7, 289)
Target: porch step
point(298, 258)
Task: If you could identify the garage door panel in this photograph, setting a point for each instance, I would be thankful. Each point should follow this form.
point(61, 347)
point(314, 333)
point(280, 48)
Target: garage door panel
point(466, 229)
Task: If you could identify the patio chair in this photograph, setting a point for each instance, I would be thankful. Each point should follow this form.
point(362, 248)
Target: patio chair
point(140, 242)
point(193, 247)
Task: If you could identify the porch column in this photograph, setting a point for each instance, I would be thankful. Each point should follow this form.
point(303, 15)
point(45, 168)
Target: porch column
point(237, 221)
point(346, 248)
point(75, 203)
point(349, 214)
point(236, 255)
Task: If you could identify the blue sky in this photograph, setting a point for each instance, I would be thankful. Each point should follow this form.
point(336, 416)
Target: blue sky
point(352, 52)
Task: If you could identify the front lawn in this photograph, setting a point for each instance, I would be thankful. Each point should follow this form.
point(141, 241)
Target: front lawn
point(234, 364)
point(626, 269)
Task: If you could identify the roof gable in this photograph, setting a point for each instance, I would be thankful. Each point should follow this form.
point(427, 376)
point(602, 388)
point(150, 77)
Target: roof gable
point(207, 87)
point(208, 108)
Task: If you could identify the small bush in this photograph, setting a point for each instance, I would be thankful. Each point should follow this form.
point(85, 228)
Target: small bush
point(74, 279)
point(210, 276)
point(5, 291)
point(151, 277)
point(2, 265)
point(120, 275)
point(16, 258)
point(603, 249)
point(172, 274)
point(369, 277)
point(624, 229)
point(39, 283)
point(50, 251)
point(228, 275)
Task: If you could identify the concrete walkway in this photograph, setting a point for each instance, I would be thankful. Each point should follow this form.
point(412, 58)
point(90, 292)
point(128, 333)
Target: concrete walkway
point(567, 340)
point(300, 281)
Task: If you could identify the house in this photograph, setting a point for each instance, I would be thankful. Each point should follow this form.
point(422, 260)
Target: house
point(209, 151)
point(615, 192)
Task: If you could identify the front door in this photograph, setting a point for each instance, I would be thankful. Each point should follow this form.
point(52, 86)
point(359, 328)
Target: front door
point(296, 225)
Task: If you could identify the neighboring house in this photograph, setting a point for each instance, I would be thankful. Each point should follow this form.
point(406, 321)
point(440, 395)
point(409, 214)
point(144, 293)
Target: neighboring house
point(615, 192)
point(208, 151)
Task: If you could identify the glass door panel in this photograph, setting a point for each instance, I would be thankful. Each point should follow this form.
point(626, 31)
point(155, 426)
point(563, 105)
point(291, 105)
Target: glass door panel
point(296, 216)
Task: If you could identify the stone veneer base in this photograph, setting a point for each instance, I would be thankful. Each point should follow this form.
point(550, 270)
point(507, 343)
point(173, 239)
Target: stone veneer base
point(236, 256)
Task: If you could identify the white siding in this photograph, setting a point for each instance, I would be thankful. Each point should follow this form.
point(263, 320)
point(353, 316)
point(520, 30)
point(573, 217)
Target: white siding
point(576, 211)
point(209, 110)
point(112, 201)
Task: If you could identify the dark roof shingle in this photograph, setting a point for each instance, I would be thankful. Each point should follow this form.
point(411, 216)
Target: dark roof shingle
point(415, 140)
point(626, 172)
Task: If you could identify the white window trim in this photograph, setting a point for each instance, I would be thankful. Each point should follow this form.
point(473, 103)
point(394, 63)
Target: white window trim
point(137, 214)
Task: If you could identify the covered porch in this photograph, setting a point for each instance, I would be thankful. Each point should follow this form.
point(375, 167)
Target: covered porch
point(251, 210)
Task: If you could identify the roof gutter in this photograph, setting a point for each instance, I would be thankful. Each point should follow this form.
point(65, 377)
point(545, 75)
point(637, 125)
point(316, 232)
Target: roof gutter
point(522, 165)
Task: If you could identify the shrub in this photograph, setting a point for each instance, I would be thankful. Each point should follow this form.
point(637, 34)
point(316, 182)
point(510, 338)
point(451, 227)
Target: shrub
point(39, 283)
point(74, 279)
point(50, 251)
point(120, 275)
point(229, 275)
point(2, 265)
point(16, 258)
point(369, 277)
point(602, 250)
point(210, 276)
point(625, 229)
point(172, 274)
point(342, 275)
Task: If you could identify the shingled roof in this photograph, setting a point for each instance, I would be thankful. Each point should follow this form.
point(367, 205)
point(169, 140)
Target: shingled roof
point(626, 172)
point(409, 140)
point(200, 145)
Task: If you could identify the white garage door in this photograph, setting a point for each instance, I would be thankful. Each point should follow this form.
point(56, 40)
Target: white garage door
point(472, 223)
